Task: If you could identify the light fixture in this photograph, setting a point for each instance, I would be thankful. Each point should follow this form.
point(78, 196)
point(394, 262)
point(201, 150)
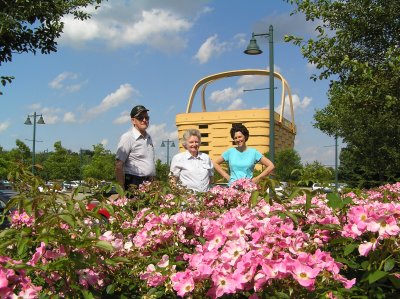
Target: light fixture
point(253, 49)
point(39, 122)
point(170, 143)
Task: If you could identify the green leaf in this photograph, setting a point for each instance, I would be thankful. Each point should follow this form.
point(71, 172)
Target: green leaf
point(334, 201)
point(121, 259)
point(377, 275)
point(87, 294)
point(349, 263)
point(104, 245)
point(350, 248)
point(395, 281)
point(22, 245)
point(389, 264)
point(254, 198)
point(110, 289)
point(308, 202)
point(68, 219)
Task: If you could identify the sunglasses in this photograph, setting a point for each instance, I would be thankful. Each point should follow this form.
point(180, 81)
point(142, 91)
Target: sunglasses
point(142, 117)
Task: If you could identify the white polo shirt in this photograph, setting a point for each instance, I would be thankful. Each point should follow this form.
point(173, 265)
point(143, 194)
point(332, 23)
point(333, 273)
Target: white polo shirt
point(137, 153)
point(193, 172)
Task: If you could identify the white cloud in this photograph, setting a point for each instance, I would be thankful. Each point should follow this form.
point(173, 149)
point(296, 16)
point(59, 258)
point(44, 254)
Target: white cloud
point(34, 107)
point(159, 28)
point(4, 126)
point(311, 68)
point(240, 40)
point(51, 115)
point(324, 155)
point(57, 82)
point(63, 81)
point(236, 105)
point(122, 94)
point(104, 142)
point(225, 95)
point(252, 81)
point(298, 105)
point(159, 134)
point(69, 117)
point(124, 118)
point(210, 48)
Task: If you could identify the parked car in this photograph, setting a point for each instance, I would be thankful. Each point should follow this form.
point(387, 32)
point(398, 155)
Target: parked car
point(5, 185)
point(67, 185)
point(280, 189)
point(75, 184)
point(322, 188)
point(5, 196)
point(340, 188)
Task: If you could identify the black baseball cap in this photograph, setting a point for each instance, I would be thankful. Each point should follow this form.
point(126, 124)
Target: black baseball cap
point(137, 110)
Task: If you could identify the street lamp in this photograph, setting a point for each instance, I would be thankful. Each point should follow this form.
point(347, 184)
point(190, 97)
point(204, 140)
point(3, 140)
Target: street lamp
point(168, 145)
point(253, 49)
point(39, 122)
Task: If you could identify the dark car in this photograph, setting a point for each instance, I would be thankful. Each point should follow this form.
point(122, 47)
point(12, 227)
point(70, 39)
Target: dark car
point(5, 185)
point(5, 196)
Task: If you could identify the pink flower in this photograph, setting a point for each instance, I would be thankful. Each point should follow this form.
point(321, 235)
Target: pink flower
point(182, 283)
point(385, 226)
point(3, 279)
point(347, 283)
point(304, 275)
point(366, 247)
point(233, 250)
point(223, 284)
point(107, 236)
point(217, 241)
point(164, 262)
point(29, 292)
point(36, 256)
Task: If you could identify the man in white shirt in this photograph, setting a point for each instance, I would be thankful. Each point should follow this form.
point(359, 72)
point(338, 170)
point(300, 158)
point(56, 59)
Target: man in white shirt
point(135, 153)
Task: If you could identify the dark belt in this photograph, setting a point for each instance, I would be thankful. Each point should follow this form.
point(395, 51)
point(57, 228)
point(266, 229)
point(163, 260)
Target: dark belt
point(136, 180)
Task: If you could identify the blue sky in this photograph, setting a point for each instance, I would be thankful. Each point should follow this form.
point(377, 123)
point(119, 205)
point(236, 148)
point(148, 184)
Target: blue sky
point(152, 52)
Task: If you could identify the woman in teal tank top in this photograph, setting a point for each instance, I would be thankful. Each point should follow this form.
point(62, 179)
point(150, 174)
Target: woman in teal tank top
point(242, 159)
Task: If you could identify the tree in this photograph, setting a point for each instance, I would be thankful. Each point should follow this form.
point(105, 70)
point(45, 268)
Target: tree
point(61, 164)
point(358, 44)
point(101, 166)
point(162, 171)
point(314, 173)
point(31, 26)
point(286, 161)
point(19, 155)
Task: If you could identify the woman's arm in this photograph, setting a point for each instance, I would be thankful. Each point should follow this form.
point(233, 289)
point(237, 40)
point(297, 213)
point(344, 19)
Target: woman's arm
point(269, 168)
point(217, 166)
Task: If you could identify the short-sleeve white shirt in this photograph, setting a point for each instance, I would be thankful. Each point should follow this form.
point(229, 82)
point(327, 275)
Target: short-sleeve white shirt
point(137, 153)
point(193, 172)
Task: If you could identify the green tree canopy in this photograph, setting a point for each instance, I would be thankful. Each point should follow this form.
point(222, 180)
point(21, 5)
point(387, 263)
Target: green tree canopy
point(61, 164)
point(358, 44)
point(32, 25)
point(314, 173)
point(286, 161)
point(101, 166)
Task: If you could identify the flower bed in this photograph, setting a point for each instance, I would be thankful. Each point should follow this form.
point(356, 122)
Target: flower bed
point(230, 242)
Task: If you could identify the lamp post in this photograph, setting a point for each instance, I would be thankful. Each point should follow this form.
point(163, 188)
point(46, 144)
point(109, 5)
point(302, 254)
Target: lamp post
point(39, 122)
point(336, 163)
point(168, 145)
point(253, 49)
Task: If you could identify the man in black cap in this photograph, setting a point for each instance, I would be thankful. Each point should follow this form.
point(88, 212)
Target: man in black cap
point(135, 153)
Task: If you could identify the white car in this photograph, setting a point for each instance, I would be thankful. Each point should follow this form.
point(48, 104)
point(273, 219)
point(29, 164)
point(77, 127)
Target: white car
point(280, 189)
point(321, 188)
point(340, 187)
